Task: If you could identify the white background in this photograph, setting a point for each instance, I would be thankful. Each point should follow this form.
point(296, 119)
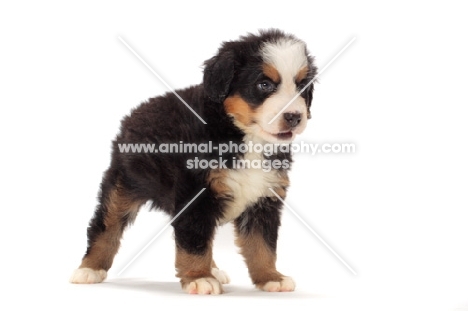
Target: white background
point(395, 210)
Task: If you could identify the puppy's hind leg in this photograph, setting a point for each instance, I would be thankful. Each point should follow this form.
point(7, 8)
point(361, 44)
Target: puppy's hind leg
point(116, 210)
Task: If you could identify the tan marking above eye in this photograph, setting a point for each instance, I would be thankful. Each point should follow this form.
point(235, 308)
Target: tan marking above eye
point(301, 74)
point(271, 72)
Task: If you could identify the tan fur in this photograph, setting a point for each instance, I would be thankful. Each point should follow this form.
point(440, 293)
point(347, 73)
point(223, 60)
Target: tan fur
point(191, 267)
point(239, 109)
point(283, 181)
point(106, 245)
point(260, 259)
point(302, 74)
point(216, 180)
point(281, 192)
point(271, 72)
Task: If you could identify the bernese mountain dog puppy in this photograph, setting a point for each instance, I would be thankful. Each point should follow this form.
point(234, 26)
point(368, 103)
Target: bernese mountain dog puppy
point(245, 85)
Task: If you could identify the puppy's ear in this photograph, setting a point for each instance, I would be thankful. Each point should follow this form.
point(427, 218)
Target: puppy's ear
point(309, 95)
point(218, 74)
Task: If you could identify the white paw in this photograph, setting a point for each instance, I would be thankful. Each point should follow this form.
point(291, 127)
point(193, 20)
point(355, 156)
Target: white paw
point(220, 275)
point(204, 286)
point(87, 276)
point(285, 285)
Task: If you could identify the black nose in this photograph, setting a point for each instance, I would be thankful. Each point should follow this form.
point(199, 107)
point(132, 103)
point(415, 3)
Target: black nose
point(292, 119)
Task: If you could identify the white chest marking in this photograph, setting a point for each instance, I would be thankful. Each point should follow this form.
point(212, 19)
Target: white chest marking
point(247, 186)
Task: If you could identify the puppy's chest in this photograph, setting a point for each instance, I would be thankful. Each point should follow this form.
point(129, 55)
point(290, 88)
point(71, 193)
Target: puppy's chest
point(243, 187)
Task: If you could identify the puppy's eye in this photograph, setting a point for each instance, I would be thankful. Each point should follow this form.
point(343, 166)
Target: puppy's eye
point(302, 84)
point(266, 86)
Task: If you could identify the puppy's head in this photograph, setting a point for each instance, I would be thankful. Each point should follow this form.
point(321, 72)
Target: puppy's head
point(259, 80)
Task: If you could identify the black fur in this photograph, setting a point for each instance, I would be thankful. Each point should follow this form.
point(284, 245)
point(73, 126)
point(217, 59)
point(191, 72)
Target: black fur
point(164, 179)
point(264, 218)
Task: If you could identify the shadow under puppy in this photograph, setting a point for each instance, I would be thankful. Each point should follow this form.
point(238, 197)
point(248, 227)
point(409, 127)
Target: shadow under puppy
point(245, 86)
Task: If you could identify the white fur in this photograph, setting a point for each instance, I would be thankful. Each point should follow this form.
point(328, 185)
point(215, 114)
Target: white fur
point(248, 185)
point(220, 275)
point(272, 106)
point(285, 285)
point(88, 276)
point(204, 286)
point(288, 56)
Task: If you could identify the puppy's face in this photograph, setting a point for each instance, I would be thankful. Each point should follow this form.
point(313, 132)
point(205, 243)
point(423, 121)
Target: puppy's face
point(266, 78)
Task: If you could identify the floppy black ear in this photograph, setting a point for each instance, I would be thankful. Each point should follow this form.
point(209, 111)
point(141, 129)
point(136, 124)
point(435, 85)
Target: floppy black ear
point(217, 76)
point(308, 97)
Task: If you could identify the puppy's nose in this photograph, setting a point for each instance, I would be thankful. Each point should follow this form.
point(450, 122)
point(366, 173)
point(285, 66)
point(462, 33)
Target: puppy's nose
point(292, 119)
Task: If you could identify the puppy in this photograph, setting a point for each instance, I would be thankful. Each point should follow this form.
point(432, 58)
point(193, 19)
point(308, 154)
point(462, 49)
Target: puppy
point(245, 87)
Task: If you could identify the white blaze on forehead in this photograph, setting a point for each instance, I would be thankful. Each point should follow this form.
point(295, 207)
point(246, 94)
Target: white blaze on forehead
point(287, 56)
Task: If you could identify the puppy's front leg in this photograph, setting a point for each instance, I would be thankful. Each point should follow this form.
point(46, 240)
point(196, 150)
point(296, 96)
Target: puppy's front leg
point(194, 271)
point(194, 233)
point(257, 234)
